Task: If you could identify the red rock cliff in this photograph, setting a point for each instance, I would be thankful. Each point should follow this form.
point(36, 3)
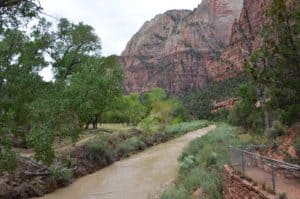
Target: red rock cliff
point(245, 38)
point(181, 50)
point(172, 50)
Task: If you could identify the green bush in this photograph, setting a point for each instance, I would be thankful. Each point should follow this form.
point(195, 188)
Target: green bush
point(212, 159)
point(61, 174)
point(185, 127)
point(221, 115)
point(174, 193)
point(131, 145)
point(171, 131)
point(201, 164)
point(298, 150)
point(187, 162)
point(8, 158)
point(199, 103)
point(290, 114)
point(276, 130)
point(99, 149)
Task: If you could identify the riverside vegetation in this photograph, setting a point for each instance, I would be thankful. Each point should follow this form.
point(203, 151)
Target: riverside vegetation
point(87, 90)
point(269, 102)
point(86, 87)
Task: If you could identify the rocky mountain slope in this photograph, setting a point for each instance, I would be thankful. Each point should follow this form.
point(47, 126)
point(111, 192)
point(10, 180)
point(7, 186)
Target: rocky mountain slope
point(245, 38)
point(171, 50)
point(182, 50)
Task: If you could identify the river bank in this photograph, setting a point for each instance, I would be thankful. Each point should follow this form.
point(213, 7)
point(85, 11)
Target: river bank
point(136, 177)
point(32, 179)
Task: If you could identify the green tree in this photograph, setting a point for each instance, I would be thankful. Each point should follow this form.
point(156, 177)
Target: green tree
point(51, 115)
point(94, 87)
point(275, 67)
point(21, 56)
point(73, 45)
point(38, 111)
point(199, 103)
point(15, 13)
point(126, 109)
point(245, 112)
point(133, 108)
point(153, 96)
point(161, 110)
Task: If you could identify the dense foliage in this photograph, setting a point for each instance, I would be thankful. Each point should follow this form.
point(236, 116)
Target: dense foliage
point(33, 112)
point(199, 103)
point(201, 165)
point(274, 72)
point(111, 147)
point(86, 88)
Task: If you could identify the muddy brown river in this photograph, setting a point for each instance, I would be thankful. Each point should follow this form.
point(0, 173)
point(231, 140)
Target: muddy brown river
point(138, 177)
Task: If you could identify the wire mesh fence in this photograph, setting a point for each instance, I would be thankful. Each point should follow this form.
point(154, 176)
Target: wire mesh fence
point(272, 174)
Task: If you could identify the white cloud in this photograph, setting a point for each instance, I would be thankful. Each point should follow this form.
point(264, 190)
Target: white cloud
point(115, 21)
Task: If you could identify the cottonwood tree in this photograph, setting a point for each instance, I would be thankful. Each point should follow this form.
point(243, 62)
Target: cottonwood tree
point(94, 87)
point(21, 56)
point(40, 111)
point(72, 47)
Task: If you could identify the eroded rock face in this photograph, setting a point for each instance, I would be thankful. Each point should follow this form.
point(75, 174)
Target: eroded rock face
point(172, 50)
point(244, 40)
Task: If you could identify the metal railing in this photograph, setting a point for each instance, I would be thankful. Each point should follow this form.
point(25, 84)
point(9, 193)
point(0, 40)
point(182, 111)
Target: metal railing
point(250, 163)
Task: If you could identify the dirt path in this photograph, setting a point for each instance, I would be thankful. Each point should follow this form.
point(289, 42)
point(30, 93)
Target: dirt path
point(283, 185)
point(134, 178)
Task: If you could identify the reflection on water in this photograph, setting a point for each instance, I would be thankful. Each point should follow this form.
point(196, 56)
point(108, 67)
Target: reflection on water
point(133, 178)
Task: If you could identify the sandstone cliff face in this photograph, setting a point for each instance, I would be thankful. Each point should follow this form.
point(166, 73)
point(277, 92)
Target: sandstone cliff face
point(172, 50)
point(245, 39)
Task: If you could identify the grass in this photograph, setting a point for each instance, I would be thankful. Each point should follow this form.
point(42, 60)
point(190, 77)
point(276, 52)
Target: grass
point(131, 145)
point(173, 131)
point(201, 165)
point(185, 127)
point(111, 147)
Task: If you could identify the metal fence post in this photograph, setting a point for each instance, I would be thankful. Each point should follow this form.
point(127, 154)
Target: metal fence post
point(243, 163)
point(273, 177)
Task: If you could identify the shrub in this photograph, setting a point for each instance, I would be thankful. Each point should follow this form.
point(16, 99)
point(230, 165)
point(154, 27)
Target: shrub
point(212, 159)
point(187, 162)
point(174, 193)
point(290, 114)
point(298, 150)
point(150, 124)
point(221, 115)
point(276, 130)
point(245, 139)
point(201, 164)
point(199, 102)
point(99, 149)
point(60, 174)
point(185, 127)
point(8, 158)
point(131, 145)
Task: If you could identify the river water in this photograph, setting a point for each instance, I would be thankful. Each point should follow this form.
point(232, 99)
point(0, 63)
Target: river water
point(138, 177)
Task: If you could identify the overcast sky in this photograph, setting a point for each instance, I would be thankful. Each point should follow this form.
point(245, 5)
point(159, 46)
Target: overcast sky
point(115, 21)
